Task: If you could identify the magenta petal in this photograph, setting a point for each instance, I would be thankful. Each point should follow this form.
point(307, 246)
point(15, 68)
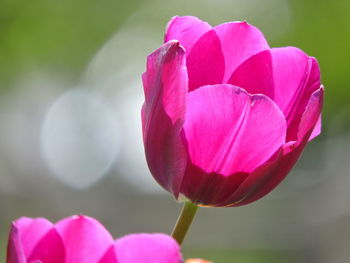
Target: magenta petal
point(229, 131)
point(294, 97)
point(109, 256)
point(310, 124)
point(210, 189)
point(256, 75)
point(186, 29)
point(265, 178)
point(84, 238)
point(206, 63)
point(287, 75)
point(239, 41)
point(317, 130)
point(31, 231)
point(15, 251)
point(147, 248)
point(165, 86)
point(50, 249)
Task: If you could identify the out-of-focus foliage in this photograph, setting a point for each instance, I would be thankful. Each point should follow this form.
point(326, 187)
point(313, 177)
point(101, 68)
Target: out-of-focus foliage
point(236, 256)
point(61, 35)
point(322, 29)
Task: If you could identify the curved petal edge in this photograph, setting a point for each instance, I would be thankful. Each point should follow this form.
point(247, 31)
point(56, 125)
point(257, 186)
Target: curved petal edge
point(165, 85)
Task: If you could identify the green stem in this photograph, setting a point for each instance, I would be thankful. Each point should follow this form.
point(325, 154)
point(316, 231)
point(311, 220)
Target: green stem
point(184, 221)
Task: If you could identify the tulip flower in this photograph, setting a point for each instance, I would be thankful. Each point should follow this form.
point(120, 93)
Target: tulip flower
point(82, 239)
point(225, 116)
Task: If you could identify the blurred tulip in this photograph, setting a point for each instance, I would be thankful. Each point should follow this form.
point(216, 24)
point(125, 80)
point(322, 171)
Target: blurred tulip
point(225, 116)
point(82, 239)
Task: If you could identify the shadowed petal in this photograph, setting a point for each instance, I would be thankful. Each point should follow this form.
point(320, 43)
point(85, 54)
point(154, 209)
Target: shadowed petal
point(187, 30)
point(239, 41)
point(165, 86)
point(50, 249)
point(268, 176)
point(147, 248)
point(205, 63)
point(15, 252)
point(84, 238)
point(256, 75)
point(109, 256)
point(209, 189)
point(229, 131)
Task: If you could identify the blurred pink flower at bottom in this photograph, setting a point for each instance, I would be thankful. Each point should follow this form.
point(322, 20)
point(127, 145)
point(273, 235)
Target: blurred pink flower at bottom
point(83, 239)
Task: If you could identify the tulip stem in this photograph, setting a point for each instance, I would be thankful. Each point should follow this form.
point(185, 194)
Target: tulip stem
point(184, 221)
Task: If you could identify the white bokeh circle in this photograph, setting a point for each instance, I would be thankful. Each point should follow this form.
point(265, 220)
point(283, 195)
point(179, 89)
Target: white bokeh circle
point(80, 137)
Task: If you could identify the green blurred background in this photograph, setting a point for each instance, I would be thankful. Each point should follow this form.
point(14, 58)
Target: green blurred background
point(87, 57)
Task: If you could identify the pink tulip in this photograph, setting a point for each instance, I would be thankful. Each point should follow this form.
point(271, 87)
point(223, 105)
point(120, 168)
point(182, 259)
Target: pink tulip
point(225, 116)
point(82, 239)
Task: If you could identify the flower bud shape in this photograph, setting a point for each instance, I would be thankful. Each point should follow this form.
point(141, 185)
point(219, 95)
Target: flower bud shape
point(225, 116)
point(82, 239)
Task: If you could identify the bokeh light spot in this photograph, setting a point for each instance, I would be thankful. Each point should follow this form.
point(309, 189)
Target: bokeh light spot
point(80, 138)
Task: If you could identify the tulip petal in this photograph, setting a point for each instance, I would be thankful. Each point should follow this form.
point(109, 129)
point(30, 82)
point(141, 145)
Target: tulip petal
point(206, 63)
point(109, 256)
point(209, 189)
point(15, 251)
point(147, 248)
point(312, 116)
point(265, 178)
point(186, 29)
point(229, 131)
point(31, 231)
point(239, 41)
point(49, 249)
point(287, 75)
point(255, 75)
point(317, 130)
point(165, 86)
point(84, 238)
